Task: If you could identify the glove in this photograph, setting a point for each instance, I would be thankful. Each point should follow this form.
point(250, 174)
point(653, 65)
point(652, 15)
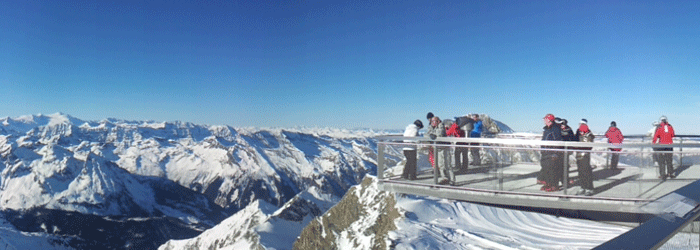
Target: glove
point(432, 137)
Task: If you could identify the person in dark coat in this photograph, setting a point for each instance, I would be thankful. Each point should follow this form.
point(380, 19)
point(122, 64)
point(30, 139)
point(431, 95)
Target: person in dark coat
point(550, 160)
point(583, 160)
point(567, 134)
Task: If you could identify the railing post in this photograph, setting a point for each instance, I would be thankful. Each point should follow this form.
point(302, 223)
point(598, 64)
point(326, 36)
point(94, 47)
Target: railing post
point(696, 223)
point(435, 168)
point(680, 158)
point(380, 161)
point(566, 169)
point(498, 164)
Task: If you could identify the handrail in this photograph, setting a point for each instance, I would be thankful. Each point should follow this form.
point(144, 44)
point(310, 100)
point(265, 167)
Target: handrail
point(661, 228)
point(563, 144)
point(656, 231)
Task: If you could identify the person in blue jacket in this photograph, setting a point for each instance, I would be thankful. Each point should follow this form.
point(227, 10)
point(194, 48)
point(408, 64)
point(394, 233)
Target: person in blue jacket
point(476, 133)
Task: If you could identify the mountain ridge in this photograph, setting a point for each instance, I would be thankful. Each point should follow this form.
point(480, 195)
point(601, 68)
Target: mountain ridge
point(59, 164)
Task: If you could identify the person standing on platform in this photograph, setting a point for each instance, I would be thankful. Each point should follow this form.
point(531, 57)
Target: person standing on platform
point(614, 136)
point(664, 135)
point(583, 160)
point(652, 131)
point(410, 152)
point(550, 159)
point(461, 153)
point(567, 134)
point(440, 158)
point(476, 133)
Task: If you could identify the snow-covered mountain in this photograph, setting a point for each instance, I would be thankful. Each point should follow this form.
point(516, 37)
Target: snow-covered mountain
point(261, 225)
point(156, 181)
point(114, 184)
point(368, 218)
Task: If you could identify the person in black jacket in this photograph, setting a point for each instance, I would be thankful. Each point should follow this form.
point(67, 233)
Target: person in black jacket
point(551, 160)
point(567, 134)
point(583, 160)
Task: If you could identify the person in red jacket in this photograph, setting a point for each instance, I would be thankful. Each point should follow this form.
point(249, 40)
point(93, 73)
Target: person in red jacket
point(461, 153)
point(614, 136)
point(664, 135)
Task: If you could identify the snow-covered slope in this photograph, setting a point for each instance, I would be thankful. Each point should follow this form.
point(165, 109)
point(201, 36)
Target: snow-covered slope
point(262, 225)
point(367, 218)
point(184, 175)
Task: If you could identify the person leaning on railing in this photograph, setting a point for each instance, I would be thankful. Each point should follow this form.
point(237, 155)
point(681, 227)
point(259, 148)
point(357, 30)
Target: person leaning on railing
point(409, 170)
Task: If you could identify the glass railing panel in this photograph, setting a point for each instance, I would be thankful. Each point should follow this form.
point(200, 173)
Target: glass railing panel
point(513, 165)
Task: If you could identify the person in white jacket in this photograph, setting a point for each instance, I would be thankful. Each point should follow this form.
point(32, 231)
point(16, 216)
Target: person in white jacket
point(409, 170)
point(650, 134)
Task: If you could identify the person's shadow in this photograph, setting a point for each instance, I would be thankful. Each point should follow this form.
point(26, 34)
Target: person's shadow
point(606, 173)
point(682, 168)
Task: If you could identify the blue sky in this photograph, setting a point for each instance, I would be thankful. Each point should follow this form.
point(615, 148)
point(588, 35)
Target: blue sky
point(350, 64)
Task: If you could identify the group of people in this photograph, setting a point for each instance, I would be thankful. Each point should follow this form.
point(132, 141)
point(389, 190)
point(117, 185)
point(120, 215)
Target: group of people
point(466, 126)
point(552, 157)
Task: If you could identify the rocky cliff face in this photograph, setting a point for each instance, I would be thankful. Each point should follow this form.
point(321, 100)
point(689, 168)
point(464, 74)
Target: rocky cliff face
point(361, 220)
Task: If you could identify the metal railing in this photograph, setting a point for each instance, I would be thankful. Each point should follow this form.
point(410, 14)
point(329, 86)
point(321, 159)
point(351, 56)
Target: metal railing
point(682, 209)
point(511, 163)
point(499, 154)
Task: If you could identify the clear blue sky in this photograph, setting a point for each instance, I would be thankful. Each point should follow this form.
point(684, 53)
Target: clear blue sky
point(371, 64)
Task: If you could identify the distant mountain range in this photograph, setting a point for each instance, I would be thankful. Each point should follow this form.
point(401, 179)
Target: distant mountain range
point(115, 184)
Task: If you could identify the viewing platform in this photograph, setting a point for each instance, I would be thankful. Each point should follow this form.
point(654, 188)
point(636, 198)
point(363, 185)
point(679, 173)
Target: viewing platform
point(507, 175)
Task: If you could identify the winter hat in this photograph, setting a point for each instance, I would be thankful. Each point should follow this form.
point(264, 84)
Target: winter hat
point(549, 117)
point(557, 120)
point(583, 128)
point(418, 124)
point(613, 124)
point(584, 121)
point(564, 121)
point(663, 118)
point(430, 115)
